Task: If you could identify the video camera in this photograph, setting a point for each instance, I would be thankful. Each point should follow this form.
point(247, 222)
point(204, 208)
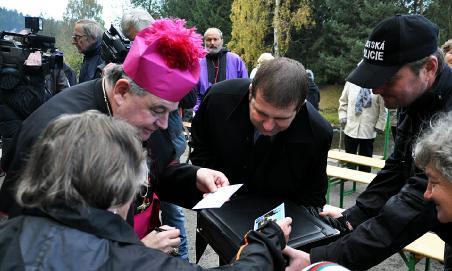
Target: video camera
point(115, 46)
point(15, 49)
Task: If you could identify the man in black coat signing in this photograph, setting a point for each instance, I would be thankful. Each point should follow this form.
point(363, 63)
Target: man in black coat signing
point(265, 134)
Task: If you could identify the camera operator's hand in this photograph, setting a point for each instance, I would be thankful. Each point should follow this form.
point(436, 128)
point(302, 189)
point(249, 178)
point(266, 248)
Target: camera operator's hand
point(34, 59)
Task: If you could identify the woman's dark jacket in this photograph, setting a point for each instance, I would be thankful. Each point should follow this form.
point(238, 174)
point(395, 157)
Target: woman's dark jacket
point(84, 238)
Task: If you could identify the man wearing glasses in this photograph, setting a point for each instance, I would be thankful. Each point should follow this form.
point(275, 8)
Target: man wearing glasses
point(87, 38)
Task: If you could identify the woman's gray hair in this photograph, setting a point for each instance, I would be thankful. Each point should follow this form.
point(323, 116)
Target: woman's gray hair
point(89, 159)
point(136, 19)
point(435, 145)
point(115, 72)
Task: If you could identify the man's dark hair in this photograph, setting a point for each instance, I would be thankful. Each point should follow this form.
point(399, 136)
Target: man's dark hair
point(282, 82)
point(416, 66)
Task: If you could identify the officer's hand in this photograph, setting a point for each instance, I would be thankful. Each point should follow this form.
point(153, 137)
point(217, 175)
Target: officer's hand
point(332, 211)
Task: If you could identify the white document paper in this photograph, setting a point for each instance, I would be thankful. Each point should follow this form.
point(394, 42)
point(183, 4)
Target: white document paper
point(218, 198)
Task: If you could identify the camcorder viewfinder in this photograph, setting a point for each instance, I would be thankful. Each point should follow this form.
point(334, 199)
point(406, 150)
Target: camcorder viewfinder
point(115, 46)
point(34, 24)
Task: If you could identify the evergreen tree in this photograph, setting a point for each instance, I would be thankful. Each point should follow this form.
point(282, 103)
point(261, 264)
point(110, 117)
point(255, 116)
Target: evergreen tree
point(11, 20)
point(440, 12)
point(154, 7)
point(201, 14)
point(212, 13)
point(345, 27)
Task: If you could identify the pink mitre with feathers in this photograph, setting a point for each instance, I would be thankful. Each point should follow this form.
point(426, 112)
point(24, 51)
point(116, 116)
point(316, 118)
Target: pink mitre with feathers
point(164, 59)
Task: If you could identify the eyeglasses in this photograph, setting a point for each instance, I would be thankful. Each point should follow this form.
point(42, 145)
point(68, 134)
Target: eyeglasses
point(77, 37)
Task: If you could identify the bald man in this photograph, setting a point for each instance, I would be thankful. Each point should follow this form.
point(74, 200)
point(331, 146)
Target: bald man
point(219, 64)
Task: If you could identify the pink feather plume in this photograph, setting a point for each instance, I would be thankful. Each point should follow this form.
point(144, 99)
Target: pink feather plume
point(180, 46)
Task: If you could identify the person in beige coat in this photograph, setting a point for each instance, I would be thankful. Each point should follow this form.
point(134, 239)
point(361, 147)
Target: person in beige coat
point(361, 114)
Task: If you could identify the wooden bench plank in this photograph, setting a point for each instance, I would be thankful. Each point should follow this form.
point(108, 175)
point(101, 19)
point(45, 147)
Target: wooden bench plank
point(356, 159)
point(349, 174)
point(429, 245)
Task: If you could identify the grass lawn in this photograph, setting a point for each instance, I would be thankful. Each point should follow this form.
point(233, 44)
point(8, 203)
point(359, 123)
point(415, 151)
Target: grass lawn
point(329, 102)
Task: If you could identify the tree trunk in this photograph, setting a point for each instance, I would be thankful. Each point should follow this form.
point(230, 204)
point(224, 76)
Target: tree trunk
point(276, 28)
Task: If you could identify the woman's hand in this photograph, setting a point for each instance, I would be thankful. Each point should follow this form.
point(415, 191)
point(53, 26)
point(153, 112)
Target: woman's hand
point(166, 240)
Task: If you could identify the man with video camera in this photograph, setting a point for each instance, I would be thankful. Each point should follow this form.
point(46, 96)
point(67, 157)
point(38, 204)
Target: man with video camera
point(27, 60)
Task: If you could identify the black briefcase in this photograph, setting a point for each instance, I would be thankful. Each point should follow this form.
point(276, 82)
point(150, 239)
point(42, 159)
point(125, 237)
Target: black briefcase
point(224, 228)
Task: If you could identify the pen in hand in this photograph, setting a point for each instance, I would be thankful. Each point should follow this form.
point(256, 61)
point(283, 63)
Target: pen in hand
point(158, 229)
point(174, 251)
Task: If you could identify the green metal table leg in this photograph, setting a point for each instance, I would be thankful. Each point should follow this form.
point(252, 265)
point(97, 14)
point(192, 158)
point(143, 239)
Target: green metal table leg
point(328, 189)
point(427, 264)
point(410, 260)
point(341, 193)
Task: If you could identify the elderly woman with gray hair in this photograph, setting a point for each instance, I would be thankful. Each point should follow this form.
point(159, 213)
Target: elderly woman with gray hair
point(433, 153)
point(77, 186)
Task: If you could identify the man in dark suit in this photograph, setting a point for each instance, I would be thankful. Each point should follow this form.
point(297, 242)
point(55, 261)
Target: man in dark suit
point(265, 134)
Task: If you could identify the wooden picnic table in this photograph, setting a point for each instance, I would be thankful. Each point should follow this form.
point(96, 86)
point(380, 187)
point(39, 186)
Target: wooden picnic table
point(356, 159)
